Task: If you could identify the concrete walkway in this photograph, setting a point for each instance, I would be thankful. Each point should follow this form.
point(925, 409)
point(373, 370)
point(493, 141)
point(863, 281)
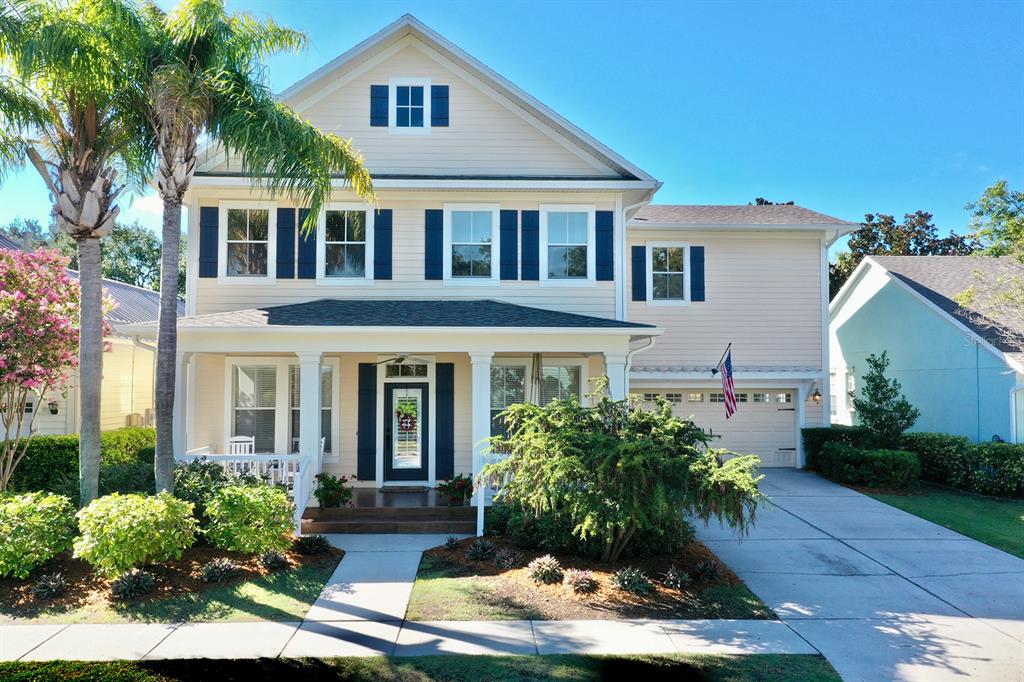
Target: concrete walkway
point(881, 593)
point(361, 613)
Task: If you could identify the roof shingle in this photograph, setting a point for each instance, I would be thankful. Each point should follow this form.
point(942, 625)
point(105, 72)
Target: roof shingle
point(724, 215)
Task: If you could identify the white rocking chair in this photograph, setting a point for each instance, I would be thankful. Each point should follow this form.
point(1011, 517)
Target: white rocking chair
point(241, 445)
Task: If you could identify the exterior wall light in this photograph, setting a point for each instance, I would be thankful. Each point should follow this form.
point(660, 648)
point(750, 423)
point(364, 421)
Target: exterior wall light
point(53, 406)
point(816, 396)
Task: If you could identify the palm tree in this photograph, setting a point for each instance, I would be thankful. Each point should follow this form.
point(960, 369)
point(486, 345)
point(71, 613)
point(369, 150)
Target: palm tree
point(66, 66)
point(207, 80)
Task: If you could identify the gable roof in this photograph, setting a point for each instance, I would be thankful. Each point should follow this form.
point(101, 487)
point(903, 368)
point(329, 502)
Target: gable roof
point(408, 25)
point(326, 312)
point(746, 215)
point(133, 304)
point(937, 280)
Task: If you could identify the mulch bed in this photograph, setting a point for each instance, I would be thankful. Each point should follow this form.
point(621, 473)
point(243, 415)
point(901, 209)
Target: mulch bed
point(559, 602)
point(173, 578)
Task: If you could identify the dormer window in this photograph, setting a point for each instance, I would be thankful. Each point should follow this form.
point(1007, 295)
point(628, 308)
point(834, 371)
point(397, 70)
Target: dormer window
point(409, 106)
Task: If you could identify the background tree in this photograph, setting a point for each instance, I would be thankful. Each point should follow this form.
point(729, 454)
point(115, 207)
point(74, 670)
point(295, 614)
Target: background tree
point(996, 299)
point(208, 79)
point(882, 407)
point(761, 201)
point(38, 340)
point(881, 235)
point(67, 68)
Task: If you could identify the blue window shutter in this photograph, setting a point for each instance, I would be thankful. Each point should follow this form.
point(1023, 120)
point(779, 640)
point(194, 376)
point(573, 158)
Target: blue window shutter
point(382, 244)
point(531, 245)
point(285, 243)
point(696, 273)
point(307, 249)
point(439, 106)
point(366, 424)
point(379, 106)
point(639, 273)
point(208, 240)
point(445, 440)
point(604, 234)
point(433, 261)
point(509, 241)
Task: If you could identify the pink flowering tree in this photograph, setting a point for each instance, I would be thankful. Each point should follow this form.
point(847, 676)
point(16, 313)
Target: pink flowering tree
point(38, 343)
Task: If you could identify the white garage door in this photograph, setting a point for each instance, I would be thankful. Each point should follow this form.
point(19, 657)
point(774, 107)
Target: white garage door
point(764, 423)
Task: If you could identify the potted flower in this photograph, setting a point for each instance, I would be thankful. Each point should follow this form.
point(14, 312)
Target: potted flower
point(332, 491)
point(456, 490)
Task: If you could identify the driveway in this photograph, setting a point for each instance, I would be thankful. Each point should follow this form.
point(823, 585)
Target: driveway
point(881, 593)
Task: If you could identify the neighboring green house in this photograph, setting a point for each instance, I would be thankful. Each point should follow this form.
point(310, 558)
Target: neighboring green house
point(965, 373)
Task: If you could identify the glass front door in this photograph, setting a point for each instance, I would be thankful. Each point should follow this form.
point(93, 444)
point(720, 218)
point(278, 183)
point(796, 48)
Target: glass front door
point(405, 432)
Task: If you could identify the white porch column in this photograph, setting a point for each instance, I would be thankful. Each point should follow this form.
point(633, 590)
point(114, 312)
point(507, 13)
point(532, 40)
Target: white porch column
point(181, 404)
point(615, 368)
point(481, 421)
point(309, 406)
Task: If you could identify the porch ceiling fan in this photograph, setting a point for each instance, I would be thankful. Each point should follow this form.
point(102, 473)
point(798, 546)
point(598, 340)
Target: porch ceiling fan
point(401, 358)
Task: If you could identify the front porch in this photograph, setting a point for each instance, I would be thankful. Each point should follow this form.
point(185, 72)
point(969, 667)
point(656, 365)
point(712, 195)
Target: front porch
point(404, 404)
point(392, 510)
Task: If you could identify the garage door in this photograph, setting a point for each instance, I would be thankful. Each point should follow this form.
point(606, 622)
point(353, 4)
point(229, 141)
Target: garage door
point(764, 423)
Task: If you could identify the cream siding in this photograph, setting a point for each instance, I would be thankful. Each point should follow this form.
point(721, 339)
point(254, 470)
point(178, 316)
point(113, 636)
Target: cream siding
point(588, 298)
point(208, 410)
point(487, 134)
point(763, 294)
point(126, 394)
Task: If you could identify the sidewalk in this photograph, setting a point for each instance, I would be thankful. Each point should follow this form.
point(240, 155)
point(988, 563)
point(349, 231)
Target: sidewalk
point(361, 613)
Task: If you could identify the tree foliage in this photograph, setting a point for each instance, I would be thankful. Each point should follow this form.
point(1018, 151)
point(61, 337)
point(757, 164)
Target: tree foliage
point(617, 468)
point(881, 235)
point(882, 407)
point(997, 221)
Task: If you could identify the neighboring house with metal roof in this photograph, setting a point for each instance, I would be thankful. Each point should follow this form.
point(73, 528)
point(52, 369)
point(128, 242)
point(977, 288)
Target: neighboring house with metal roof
point(965, 372)
point(128, 365)
point(510, 257)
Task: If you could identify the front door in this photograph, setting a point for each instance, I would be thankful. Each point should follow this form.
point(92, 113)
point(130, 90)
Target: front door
point(406, 432)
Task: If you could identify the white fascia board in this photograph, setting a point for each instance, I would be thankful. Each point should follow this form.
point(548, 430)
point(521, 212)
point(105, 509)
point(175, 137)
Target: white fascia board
point(849, 285)
point(747, 379)
point(635, 332)
point(611, 184)
point(840, 230)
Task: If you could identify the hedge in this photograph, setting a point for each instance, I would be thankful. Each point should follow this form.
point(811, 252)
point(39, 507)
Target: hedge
point(846, 463)
point(51, 463)
point(815, 438)
point(985, 468)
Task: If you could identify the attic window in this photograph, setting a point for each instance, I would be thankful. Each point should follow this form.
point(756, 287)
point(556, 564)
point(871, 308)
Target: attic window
point(410, 100)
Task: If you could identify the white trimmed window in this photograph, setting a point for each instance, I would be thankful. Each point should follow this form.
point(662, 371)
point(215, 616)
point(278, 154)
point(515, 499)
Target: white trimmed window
point(668, 277)
point(405, 369)
point(567, 243)
point(247, 248)
point(508, 387)
point(254, 405)
point(471, 244)
point(409, 112)
point(344, 247)
point(561, 382)
point(326, 408)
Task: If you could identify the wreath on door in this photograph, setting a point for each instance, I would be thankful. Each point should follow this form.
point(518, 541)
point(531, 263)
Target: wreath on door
point(406, 415)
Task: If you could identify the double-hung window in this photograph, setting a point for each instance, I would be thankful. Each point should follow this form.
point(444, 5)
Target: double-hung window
point(254, 404)
point(508, 387)
point(471, 242)
point(345, 244)
point(560, 382)
point(567, 251)
point(667, 277)
point(248, 242)
point(326, 403)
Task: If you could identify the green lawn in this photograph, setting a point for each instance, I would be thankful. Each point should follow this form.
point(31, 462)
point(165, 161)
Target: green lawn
point(754, 668)
point(999, 523)
point(279, 596)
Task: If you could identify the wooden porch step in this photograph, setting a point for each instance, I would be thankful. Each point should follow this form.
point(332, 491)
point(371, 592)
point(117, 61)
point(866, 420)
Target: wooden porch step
point(312, 526)
point(391, 514)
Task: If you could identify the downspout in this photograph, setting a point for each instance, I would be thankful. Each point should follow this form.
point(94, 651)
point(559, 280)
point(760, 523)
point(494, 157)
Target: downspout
point(140, 344)
point(651, 340)
point(620, 289)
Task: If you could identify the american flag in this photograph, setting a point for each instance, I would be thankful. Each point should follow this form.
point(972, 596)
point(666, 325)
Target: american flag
point(728, 388)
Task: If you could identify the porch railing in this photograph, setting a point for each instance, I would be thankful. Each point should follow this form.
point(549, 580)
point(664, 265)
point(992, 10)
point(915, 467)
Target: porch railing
point(292, 472)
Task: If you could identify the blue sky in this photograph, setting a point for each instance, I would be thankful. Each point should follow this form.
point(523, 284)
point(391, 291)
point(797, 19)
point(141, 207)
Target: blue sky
point(846, 108)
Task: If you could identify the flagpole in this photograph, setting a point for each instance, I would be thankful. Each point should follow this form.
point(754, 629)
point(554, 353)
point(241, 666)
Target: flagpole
point(719, 364)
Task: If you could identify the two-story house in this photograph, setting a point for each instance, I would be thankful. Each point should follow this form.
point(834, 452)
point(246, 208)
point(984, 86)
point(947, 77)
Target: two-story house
point(510, 257)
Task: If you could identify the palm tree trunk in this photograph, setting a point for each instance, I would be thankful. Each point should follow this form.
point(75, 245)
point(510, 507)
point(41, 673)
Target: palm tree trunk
point(90, 367)
point(167, 344)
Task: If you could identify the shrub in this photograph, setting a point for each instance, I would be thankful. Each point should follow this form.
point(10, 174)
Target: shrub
point(507, 558)
point(332, 491)
point(126, 445)
point(940, 454)
point(632, 580)
point(199, 480)
point(895, 469)
point(994, 469)
point(34, 528)
point(133, 584)
point(814, 440)
point(480, 550)
point(581, 582)
point(451, 543)
point(273, 560)
point(545, 569)
point(675, 579)
point(50, 586)
point(311, 544)
point(882, 407)
point(617, 469)
point(456, 490)
point(120, 532)
point(219, 570)
point(708, 571)
point(251, 519)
